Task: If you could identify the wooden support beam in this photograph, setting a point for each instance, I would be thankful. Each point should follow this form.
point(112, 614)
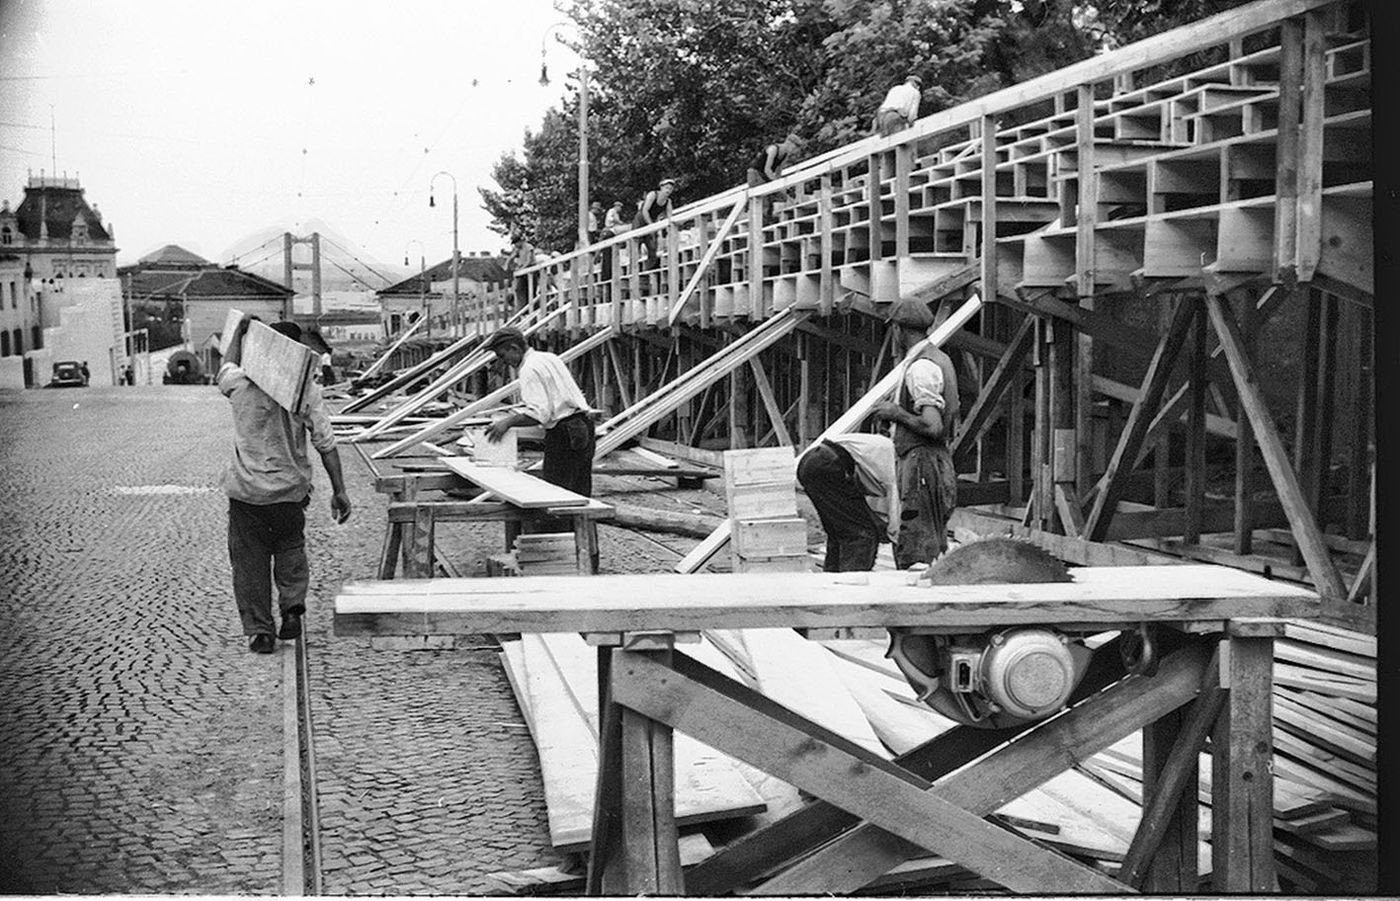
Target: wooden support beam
point(987, 271)
point(770, 402)
point(747, 725)
point(1304, 527)
point(1290, 82)
point(1242, 782)
point(1196, 427)
point(1008, 372)
point(1310, 144)
point(707, 258)
point(1063, 440)
point(1153, 386)
point(1163, 852)
point(864, 853)
point(1244, 446)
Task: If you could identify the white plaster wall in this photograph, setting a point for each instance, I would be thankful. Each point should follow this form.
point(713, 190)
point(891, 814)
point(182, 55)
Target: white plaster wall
point(11, 372)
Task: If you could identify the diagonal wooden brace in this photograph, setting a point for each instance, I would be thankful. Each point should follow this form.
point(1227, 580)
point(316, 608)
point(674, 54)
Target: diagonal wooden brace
point(741, 722)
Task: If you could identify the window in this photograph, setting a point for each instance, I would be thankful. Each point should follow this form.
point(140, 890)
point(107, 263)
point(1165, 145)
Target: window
point(19, 342)
point(7, 235)
point(14, 297)
point(38, 337)
point(4, 344)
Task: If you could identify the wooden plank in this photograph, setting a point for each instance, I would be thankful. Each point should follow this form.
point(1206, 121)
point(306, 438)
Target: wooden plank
point(1332, 663)
point(281, 367)
point(1310, 144)
point(1007, 373)
point(1300, 518)
point(1332, 637)
point(770, 403)
point(821, 762)
point(1196, 430)
point(616, 603)
point(519, 488)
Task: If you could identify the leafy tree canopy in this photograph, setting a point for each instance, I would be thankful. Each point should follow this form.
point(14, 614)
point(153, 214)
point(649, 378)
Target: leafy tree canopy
point(695, 89)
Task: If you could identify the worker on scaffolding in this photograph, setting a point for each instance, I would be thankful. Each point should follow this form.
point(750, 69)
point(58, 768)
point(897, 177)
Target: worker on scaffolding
point(551, 398)
point(851, 480)
point(924, 417)
point(655, 206)
point(900, 107)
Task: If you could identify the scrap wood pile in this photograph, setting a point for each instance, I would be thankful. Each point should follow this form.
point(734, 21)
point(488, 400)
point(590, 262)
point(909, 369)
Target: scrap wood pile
point(1325, 717)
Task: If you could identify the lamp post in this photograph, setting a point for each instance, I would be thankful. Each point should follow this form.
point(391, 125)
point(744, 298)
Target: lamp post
point(422, 284)
point(582, 131)
point(456, 252)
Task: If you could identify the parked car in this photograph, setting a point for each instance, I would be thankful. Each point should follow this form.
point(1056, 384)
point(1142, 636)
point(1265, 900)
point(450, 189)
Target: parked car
point(67, 374)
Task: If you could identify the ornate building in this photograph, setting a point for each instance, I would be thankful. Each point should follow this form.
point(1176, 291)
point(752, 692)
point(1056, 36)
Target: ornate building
point(56, 232)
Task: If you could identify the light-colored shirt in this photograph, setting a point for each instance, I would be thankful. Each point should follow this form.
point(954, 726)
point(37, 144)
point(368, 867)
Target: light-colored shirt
point(547, 389)
point(875, 473)
point(923, 379)
point(904, 99)
point(270, 463)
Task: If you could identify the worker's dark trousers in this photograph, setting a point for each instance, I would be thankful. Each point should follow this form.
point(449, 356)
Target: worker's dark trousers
point(827, 474)
point(266, 545)
point(568, 462)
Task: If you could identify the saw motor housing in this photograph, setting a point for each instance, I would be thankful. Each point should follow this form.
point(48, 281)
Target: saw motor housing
point(1002, 677)
point(994, 679)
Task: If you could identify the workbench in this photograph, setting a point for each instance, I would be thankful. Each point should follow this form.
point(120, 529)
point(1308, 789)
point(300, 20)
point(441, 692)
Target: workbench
point(1215, 627)
point(419, 500)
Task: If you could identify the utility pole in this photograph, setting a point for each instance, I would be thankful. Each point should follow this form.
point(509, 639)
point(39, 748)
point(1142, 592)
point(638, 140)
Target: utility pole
point(582, 155)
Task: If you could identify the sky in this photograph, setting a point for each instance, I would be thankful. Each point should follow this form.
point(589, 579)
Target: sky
point(202, 123)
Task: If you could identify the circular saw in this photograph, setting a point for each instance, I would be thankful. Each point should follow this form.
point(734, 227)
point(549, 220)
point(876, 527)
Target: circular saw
point(1002, 677)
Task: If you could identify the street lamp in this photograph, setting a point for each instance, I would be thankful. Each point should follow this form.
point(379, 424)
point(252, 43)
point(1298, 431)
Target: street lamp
point(582, 131)
point(422, 284)
point(456, 252)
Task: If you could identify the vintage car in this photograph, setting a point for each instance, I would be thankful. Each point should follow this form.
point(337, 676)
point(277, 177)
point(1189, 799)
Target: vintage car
point(67, 374)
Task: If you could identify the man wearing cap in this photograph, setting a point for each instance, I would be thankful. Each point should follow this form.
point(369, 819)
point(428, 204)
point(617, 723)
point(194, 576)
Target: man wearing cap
point(551, 398)
point(268, 483)
point(655, 206)
point(900, 108)
point(924, 416)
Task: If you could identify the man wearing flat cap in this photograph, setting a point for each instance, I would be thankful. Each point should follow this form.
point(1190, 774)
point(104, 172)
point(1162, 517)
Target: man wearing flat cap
point(550, 397)
point(924, 417)
point(900, 107)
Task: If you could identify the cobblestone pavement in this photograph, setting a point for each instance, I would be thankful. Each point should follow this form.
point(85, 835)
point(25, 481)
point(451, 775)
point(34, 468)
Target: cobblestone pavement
point(141, 743)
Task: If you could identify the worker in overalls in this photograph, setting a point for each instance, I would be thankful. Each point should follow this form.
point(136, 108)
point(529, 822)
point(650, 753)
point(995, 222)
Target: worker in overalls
point(924, 417)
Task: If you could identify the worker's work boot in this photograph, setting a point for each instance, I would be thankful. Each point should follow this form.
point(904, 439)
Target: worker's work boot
point(291, 626)
point(262, 643)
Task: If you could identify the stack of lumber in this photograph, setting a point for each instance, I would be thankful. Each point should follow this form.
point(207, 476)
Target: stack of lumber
point(1324, 760)
point(760, 491)
point(546, 554)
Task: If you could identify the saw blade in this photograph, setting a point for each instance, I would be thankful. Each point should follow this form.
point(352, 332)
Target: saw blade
point(996, 559)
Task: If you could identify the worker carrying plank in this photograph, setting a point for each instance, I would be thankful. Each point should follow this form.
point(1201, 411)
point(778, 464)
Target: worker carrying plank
point(551, 398)
point(924, 418)
point(268, 483)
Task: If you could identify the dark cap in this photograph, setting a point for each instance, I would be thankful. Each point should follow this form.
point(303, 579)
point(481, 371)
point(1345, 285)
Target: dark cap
point(288, 328)
point(505, 335)
point(912, 314)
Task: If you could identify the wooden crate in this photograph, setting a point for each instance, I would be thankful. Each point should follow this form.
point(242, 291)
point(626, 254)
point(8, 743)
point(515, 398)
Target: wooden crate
point(784, 537)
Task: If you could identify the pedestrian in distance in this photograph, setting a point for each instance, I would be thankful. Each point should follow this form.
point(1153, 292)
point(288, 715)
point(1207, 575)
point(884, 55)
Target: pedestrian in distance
point(595, 222)
point(268, 483)
point(900, 107)
point(612, 222)
point(551, 398)
point(86, 374)
point(852, 481)
point(924, 418)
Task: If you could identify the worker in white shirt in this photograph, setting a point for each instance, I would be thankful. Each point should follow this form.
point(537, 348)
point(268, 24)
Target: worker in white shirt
point(551, 398)
point(900, 108)
point(851, 480)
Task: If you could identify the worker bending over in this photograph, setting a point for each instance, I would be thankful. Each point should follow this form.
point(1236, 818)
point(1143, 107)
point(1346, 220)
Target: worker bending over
point(924, 415)
point(851, 480)
point(900, 107)
point(551, 398)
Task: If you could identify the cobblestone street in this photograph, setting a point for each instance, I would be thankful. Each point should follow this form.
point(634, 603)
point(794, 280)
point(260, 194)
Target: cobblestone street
point(142, 742)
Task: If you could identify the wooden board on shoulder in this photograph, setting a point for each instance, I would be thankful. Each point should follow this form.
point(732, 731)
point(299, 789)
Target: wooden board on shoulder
point(281, 367)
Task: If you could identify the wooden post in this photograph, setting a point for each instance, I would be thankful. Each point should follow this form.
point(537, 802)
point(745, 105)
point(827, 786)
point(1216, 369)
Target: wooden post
point(1242, 782)
point(1244, 444)
point(804, 390)
point(1041, 485)
point(1310, 141)
point(1196, 428)
point(1286, 151)
point(1306, 424)
point(739, 408)
point(826, 295)
point(1326, 390)
point(1363, 407)
point(903, 164)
